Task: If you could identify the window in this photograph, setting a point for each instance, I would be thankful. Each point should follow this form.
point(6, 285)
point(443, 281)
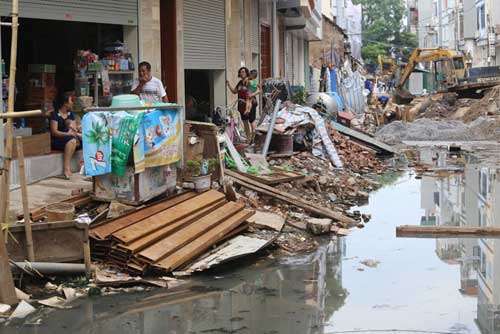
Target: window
point(435, 7)
point(481, 17)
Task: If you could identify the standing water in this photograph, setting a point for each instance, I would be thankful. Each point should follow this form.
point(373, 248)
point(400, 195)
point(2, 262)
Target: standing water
point(368, 282)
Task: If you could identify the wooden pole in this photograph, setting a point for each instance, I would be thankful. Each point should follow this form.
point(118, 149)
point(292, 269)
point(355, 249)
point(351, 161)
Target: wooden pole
point(5, 186)
point(24, 193)
point(7, 289)
point(415, 231)
point(21, 114)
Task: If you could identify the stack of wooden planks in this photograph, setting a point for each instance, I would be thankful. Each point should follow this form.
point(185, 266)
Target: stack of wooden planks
point(168, 234)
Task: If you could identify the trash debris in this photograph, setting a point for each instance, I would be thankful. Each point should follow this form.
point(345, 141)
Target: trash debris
point(55, 302)
point(267, 220)
point(21, 295)
point(370, 263)
point(22, 310)
point(4, 308)
point(319, 226)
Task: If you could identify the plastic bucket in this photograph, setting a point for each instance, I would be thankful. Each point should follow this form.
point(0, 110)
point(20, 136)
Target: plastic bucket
point(126, 100)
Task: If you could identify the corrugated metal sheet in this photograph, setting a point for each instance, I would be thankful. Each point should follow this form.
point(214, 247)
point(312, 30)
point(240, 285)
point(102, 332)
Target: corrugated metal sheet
point(255, 26)
point(204, 34)
point(122, 12)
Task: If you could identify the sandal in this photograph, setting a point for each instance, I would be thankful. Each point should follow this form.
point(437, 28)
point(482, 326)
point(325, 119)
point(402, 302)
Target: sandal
point(63, 177)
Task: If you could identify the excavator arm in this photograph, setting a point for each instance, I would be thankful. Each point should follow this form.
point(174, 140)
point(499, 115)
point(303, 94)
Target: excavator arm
point(418, 56)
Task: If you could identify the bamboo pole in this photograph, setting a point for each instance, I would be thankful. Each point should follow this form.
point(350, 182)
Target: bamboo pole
point(24, 193)
point(7, 289)
point(21, 114)
point(5, 186)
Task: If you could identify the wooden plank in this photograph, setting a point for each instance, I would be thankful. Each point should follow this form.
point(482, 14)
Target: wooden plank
point(289, 198)
point(414, 231)
point(105, 229)
point(24, 193)
point(166, 217)
point(202, 243)
point(275, 178)
point(149, 239)
point(33, 145)
point(172, 243)
point(363, 138)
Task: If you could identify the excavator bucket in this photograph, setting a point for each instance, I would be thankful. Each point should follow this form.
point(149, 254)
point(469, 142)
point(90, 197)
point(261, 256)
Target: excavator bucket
point(402, 96)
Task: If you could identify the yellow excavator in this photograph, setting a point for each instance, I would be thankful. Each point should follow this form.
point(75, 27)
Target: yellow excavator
point(447, 66)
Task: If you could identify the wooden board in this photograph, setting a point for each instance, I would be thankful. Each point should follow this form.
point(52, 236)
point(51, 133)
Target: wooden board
point(34, 145)
point(202, 243)
point(372, 142)
point(153, 223)
point(276, 177)
point(414, 231)
point(289, 198)
point(172, 243)
point(149, 239)
point(53, 242)
point(105, 229)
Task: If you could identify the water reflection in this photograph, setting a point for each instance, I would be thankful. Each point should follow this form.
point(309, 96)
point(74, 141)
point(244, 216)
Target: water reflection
point(294, 296)
point(469, 199)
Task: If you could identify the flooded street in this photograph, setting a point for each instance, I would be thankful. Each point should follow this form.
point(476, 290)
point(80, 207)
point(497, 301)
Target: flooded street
point(370, 281)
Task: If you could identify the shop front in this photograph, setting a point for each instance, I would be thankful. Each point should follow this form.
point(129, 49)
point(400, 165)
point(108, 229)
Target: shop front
point(84, 48)
point(204, 57)
point(55, 37)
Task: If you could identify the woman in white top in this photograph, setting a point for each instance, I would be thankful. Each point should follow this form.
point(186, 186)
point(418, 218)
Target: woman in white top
point(149, 88)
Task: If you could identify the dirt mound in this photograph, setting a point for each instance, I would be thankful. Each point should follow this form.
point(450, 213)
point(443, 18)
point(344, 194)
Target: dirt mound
point(480, 107)
point(440, 130)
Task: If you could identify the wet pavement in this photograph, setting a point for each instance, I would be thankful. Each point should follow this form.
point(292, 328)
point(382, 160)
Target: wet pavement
point(368, 282)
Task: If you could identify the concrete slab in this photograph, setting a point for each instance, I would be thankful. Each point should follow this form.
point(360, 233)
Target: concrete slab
point(47, 191)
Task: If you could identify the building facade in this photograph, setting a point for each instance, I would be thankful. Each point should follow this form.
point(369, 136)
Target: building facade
point(469, 26)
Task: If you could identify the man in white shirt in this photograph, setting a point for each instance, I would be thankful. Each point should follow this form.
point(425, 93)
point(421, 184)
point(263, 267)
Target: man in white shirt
point(149, 88)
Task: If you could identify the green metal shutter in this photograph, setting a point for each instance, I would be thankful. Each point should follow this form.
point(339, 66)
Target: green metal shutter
point(204, 35)
point(121, 12)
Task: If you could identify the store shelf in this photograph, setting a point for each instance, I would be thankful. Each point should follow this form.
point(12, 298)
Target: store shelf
point(121, 72)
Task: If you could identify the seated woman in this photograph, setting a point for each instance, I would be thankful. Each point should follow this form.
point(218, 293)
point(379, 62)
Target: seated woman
point(62, 130)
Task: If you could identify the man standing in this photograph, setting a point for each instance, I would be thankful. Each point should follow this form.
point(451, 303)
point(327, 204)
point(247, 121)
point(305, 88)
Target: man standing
point(149, 88)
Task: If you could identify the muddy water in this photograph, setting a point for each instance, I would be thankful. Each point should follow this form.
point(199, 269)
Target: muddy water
point(370, 281)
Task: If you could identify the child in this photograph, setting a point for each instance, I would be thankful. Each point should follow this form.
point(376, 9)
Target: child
point(75, 126)
point(251, 83)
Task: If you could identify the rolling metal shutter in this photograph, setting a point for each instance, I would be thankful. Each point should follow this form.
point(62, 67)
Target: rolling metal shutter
point(255, 26)
point(121, 12)
point(204, 35)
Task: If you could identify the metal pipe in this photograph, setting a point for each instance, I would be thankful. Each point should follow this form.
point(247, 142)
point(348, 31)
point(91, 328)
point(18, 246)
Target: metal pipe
point(271, 127)
point(50, 268)
point(172, 107)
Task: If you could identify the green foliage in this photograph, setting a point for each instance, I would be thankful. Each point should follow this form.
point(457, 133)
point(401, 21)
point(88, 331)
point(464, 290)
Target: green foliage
point(98, 134)
point(193, 167)
point(212, 164)
point(300, 96)
point(371, 51)
point(383, 30)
